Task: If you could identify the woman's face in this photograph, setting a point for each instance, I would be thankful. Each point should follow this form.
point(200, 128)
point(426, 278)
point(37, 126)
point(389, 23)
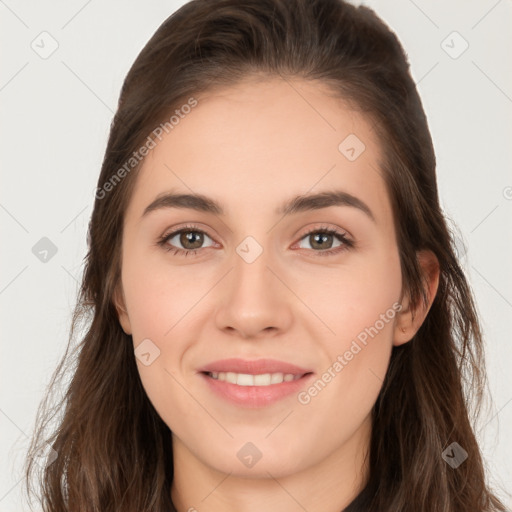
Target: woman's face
point(262, 280)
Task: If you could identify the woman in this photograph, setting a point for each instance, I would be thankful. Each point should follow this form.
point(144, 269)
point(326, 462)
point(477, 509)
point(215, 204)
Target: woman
point(277, 315)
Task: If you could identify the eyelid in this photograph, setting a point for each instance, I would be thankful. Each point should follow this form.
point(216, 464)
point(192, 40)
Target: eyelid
point(188, 227)
point(326, 228)
point(346, 239)
point(172, 232)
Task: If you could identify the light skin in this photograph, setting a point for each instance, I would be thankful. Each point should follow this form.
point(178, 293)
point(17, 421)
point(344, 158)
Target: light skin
point(251, 148)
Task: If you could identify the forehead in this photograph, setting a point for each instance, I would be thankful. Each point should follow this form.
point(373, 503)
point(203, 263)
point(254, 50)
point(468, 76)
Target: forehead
point(252, 145)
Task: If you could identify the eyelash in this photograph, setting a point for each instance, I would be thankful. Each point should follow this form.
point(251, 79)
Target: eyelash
point(347, 244)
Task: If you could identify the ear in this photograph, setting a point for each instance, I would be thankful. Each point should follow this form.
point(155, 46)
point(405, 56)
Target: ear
point(409, 320)
point(122, 313)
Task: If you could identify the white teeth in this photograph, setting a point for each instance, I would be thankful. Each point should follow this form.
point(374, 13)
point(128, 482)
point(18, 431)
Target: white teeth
point(245, 379)
point(231, 377)
point(265, 379)
point(276, 378)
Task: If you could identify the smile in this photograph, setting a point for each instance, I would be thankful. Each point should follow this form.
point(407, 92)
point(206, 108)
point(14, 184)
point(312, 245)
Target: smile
point(246, 379)
point(254, 391)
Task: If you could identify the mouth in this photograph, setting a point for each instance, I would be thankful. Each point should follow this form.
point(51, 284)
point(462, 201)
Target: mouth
point(254, 384)
point(247, 379)
point(252, 367)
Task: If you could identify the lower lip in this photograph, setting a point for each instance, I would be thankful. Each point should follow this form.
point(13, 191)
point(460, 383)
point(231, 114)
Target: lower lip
point(255, 396)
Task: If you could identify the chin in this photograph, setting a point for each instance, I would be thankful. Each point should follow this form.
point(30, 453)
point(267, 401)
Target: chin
point(256, 460)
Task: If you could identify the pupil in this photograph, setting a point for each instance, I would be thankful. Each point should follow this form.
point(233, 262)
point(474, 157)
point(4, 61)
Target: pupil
point(322, 238)
point(188, 238)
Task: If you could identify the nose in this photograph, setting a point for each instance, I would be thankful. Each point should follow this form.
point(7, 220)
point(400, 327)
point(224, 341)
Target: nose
point(254, 300)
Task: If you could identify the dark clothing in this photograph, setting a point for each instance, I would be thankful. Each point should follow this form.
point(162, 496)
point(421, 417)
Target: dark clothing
point(361, 502)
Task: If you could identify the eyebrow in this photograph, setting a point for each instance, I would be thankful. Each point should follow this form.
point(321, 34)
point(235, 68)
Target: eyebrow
point(297, 204)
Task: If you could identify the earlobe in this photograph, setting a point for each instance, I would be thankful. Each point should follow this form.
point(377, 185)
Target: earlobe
point(403, 325)
point(122, 313)
point(409, 320)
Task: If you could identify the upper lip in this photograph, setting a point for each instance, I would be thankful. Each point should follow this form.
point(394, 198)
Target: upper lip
point(254, 367)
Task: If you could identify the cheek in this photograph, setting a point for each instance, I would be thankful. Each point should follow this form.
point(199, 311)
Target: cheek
point(352, 297)
point(358, 306)
point(159, 301)
point(158, 295)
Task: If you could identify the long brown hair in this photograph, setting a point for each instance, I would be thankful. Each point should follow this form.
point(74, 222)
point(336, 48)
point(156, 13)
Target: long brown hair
point(114, 452)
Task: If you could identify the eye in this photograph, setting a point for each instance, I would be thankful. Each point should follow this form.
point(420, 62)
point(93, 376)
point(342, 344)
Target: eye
point(323, 239)
point(191, 238)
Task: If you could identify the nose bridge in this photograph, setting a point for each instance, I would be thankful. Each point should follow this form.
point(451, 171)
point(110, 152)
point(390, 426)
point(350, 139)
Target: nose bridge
point(251, 275)
point(254, 299)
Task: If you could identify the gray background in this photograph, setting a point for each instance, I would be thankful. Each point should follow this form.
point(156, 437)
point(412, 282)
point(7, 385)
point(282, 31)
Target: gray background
point(56, 112)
